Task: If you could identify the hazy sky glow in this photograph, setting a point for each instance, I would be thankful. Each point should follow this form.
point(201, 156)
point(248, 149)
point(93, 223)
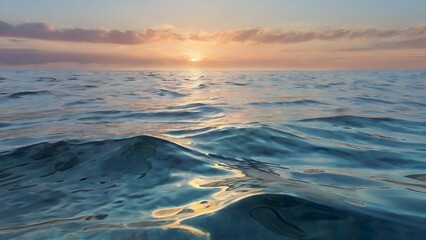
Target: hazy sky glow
point(233, 34)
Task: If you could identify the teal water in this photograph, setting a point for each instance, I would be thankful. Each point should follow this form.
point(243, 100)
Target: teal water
point(212, 155)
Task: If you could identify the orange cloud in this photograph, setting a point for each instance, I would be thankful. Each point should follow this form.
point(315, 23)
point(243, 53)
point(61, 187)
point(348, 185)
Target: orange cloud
point(264, 35)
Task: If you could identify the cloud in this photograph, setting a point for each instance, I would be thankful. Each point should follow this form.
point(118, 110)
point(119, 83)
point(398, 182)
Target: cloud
point(416, 43)
point(44, 31)
point(264, 35)
point(33, 56)
point(406, 44)
point(16, 40)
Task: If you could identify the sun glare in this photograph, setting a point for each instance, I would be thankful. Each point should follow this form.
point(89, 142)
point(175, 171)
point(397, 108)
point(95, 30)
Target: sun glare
point(194, 59)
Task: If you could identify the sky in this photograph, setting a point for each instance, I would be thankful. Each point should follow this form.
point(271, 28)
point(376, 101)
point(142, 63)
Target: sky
point(220, 34)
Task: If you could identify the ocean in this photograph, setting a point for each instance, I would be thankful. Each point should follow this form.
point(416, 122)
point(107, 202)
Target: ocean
point(212, 154)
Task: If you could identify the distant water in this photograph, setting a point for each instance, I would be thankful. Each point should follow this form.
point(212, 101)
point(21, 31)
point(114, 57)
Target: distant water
point(212, 155)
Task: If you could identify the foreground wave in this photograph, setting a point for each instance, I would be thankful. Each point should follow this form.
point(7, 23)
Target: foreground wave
point(145, 186)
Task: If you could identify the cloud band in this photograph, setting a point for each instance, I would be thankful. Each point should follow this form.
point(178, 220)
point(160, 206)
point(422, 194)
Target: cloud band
point(44, 31)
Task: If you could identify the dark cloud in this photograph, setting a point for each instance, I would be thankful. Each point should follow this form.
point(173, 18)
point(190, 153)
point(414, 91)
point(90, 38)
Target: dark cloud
point(44, 31)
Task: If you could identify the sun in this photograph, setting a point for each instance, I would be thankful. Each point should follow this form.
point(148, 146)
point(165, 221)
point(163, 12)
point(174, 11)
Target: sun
point(193, 58)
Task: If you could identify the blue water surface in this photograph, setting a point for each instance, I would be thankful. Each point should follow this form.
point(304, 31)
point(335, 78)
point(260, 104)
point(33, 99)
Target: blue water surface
point(212, 154)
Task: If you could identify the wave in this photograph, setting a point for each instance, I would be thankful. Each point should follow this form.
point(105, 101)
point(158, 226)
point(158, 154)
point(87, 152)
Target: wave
point(50, 79)
point(147, 183)
point(81, 87)
point(289, 103)
point(372, 100)
point(297, 147)
point(166, 115)
point(163, 92)
point(291, 217)
point(5, 124)
point(237, 84)
point(27, 93)
point(387, 123)
point(71, 179)
point(172, 113)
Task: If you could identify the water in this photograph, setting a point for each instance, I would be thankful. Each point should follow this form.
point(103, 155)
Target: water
point(212, 155)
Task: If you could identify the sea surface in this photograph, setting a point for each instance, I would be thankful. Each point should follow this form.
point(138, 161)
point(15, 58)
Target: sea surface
point(213, 155)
